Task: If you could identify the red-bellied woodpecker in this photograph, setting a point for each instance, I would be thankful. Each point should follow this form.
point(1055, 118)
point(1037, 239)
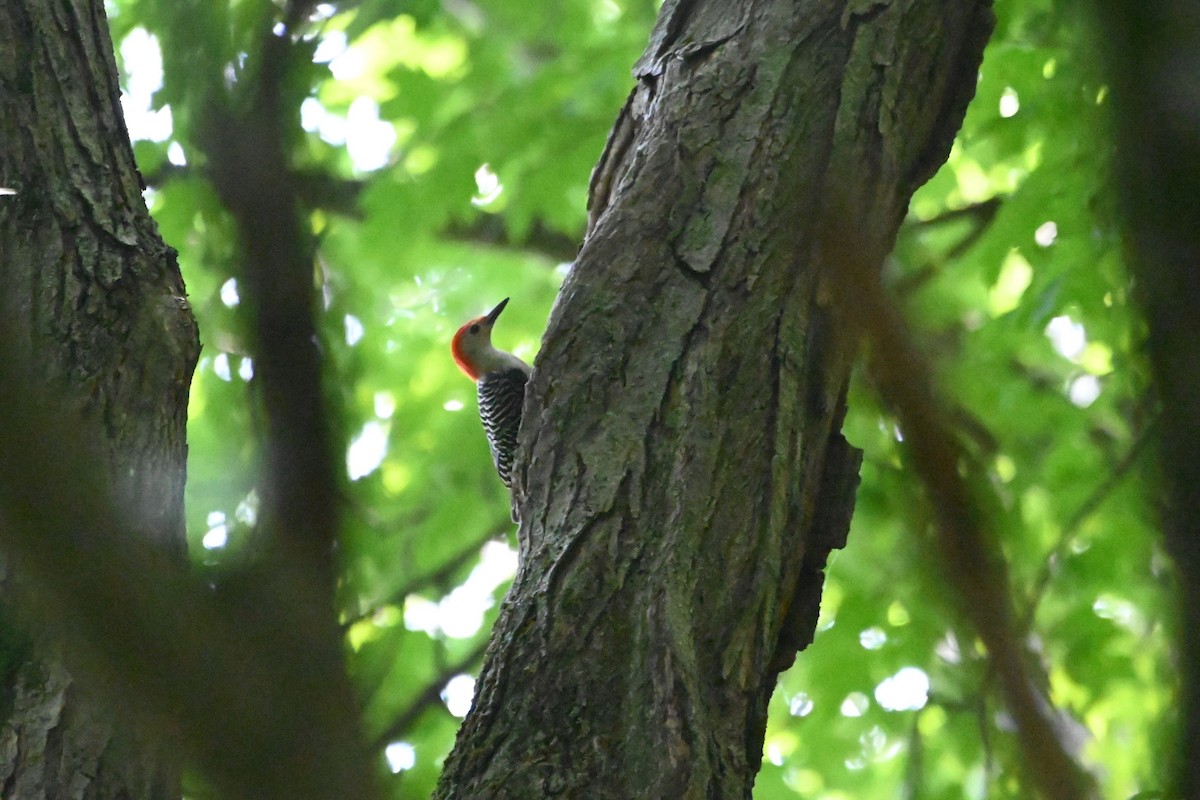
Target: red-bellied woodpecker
point(500, 378)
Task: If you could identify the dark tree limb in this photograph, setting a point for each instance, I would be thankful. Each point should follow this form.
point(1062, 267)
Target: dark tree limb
point(433, 579)
point(1153, 53)
point(246, 140)
point(428, 696)
point(970, 556)
point(490, 229)
point(1075, 522)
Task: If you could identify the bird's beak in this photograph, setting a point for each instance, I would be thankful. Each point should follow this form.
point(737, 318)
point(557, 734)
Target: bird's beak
point(490, 319)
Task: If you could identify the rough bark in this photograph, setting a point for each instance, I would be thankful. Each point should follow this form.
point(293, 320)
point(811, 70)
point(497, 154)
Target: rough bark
point(96, 303)
point(685, 475)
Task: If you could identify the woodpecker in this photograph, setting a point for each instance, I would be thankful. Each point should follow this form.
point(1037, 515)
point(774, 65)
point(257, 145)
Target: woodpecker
point(500, 379)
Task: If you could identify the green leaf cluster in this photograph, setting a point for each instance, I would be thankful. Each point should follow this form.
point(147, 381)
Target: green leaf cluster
point(1010, 268)
point(445, 150)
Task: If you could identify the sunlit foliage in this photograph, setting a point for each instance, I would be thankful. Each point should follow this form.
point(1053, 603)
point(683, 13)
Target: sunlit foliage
point(446, 149)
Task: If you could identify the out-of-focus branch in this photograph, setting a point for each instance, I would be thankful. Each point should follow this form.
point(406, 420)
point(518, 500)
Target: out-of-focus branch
point(317, 189)
point(246, 142)
point(1073, 524)
point(490, 229)
point(429, 696)
point(1151, 48)
point(247, 161)
point(971, 559)
point(982, 214)
point(314, 188)
point(437, 577)
point(914, 769)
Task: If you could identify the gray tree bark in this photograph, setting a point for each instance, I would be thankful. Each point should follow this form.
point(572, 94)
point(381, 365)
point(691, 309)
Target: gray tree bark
point(95, 303)
point(684, 476)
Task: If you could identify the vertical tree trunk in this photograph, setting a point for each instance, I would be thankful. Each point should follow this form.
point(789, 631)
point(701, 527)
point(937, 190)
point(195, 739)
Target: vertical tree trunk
point(685, 475)
point(1151, 49)
point(97, 303)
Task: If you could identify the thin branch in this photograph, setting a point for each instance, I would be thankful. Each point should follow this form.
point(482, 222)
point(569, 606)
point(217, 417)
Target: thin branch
point(914, 770)
point(981, 213)
point(985, 739)
point(1086, 509)
point(437, 577)
point(970, 556)
point(429, 696)
point(489, 229)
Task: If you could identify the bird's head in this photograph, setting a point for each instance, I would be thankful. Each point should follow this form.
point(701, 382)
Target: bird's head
point(472, 345)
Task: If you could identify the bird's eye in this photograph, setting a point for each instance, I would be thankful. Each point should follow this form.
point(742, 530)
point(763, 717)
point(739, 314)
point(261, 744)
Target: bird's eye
point(474, 329)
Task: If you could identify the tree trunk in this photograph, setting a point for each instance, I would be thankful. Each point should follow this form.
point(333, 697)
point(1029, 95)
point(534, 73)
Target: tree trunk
point(1151, 52)
point(685, 476)
point(97, 305)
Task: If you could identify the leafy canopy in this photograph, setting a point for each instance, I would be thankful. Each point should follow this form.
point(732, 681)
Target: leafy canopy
point(445, 150)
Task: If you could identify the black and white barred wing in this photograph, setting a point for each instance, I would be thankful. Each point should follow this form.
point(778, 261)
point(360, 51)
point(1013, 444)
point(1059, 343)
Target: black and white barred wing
point(500, 397)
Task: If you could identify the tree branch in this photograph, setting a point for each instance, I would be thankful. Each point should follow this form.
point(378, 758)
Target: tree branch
point(314, 188)
point(982, 214)
point(245, 142)
point(1151, 47)
point(490, 229)
point(970, 556)
point(1089, 506)
point(436, 577)
point(429, 696)
point(248, 165)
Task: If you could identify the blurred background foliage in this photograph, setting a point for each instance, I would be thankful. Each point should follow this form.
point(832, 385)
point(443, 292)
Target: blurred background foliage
point(445, 148)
